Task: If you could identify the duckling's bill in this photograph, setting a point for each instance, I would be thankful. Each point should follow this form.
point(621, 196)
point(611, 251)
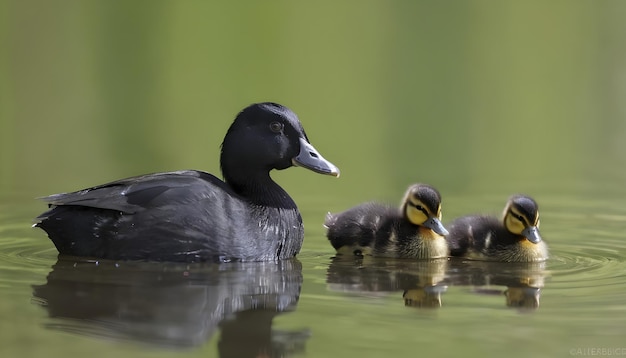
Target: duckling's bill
point(311, 159)
point(435, 225)
point(532, 234)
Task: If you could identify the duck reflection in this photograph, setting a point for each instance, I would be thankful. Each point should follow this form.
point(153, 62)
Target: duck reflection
point(424, 282)
point(420, 281)
point(522, 281)
point(177, 305)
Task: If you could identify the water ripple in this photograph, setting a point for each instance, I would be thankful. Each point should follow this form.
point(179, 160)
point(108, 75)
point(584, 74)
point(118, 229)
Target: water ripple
point(23, 252)
point(588, 252)
point(586, 265)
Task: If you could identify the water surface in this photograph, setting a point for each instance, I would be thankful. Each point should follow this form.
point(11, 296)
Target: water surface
point(318, 304)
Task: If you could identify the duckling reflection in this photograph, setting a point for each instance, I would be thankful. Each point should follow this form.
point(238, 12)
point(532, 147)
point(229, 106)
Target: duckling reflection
point(419, 281)
point(177, 305)
point(523, 297)
point(520, 283)
point(424, 297)
point(515, 238)
point(413, 231)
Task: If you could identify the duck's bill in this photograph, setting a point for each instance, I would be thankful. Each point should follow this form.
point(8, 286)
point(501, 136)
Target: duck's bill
point(531, 233)
point(311, 159)
point(435, 225)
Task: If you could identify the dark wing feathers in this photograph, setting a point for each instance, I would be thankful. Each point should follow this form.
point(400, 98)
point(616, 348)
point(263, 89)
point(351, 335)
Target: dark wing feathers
point(133, 194)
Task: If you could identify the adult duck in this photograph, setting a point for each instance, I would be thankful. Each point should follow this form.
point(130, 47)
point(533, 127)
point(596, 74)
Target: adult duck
point(191, 215)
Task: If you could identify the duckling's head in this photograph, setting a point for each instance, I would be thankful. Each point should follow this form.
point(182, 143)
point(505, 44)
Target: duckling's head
point(523, 297)
point(521, 217)
point(422, 206)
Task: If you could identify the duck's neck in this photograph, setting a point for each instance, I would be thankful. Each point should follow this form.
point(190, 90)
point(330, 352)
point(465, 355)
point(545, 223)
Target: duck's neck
point(260, 189)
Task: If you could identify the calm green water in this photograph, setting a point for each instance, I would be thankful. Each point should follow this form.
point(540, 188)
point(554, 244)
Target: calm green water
point(319, 306)
point(481, 99)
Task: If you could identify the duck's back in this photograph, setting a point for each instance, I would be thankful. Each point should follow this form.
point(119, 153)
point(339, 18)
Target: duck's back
point(175, 216)
point(478, 235)
point(358, 227)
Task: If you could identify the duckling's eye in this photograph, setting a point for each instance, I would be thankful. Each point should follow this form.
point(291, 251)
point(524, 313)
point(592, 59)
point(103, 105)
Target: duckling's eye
point(420, 208)
point(276, 127)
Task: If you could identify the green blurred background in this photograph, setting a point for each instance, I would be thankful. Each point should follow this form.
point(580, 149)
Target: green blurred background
point(471, 96)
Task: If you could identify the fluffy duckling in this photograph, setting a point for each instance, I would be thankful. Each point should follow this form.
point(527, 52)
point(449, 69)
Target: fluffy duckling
point(412, 231)
point(514, 238)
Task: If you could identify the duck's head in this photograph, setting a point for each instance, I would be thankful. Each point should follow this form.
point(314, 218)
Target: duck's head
point(266, 136)
point(422, 206)
point(521, 217)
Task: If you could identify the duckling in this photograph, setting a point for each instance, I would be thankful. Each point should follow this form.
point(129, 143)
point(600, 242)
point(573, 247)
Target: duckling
point(191, 215)
point(412, 231)
point(515, 238)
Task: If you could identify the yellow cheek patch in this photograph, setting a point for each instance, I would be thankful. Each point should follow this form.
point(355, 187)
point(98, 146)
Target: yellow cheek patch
point(513, 224)
point(416, 217)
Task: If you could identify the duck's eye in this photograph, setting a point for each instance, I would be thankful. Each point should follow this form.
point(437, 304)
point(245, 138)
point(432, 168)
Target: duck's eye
point(276, 127)
point(420, 208)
